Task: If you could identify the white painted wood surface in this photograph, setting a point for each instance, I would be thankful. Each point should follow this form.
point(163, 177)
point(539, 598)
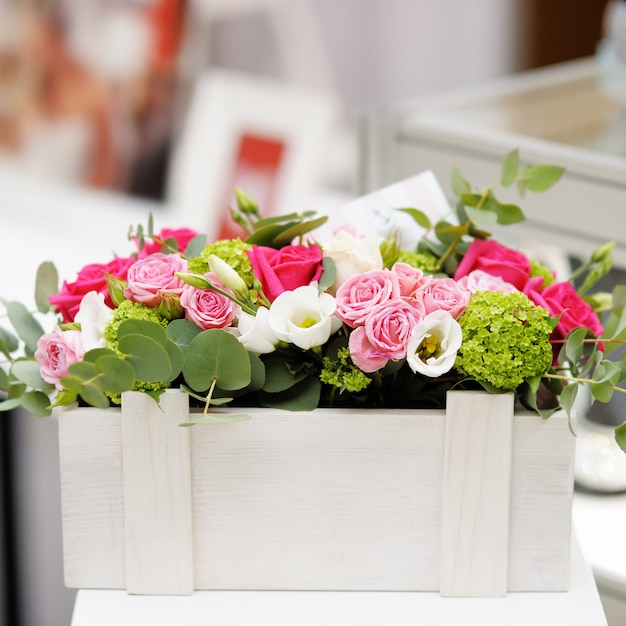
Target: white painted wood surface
point(158, 532)
point(326, 500)
point(476, 494)
point(578, 607)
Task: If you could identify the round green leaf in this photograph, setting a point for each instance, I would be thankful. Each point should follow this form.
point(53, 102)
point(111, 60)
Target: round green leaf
point(115, 375)
point(28, 372)
point(10, 404)
point(37, 403)
point(146, 328)
point(8, 341)
point(26, 326)
point(278, 376)
point(216, 355)
point(181, 332)
point(94, 396)
point(149, 357)
point(304, 396)
point(46, 285)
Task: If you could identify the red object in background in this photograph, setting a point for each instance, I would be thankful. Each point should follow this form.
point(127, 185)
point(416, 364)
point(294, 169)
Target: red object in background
point(166, 19)
point(256, 170)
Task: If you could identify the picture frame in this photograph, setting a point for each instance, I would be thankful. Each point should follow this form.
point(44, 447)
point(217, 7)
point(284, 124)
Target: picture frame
point(264, 136)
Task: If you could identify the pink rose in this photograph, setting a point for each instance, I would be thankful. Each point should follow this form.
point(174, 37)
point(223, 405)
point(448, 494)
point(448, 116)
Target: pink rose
point(385, 335)
point(207, 308)
point(285, 269)
point(56, 351)
point(411, 278)
point(90, 278)
point(149, 278)
point(358, 295)
point(477, 280)
point(444, 294)
point(563, 298)
point(182, 236)
point(495, 259)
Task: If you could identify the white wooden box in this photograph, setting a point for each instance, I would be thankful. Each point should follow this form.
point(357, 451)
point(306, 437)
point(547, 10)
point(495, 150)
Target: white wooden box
point(471, 501)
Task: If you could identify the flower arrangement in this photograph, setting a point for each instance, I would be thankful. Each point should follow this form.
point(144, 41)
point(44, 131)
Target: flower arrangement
point(279, 318)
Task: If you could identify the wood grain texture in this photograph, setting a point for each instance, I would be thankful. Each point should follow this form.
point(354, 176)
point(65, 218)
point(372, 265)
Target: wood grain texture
point(476, 494)
point(157, 494)
point(331, 499)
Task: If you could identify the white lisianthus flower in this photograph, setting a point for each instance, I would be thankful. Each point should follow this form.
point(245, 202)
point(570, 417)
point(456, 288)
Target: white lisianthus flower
point(227, 275)
point(255, 333)
point(434, 342)
point(93, 316)
point(304, 317)
point(353, 255)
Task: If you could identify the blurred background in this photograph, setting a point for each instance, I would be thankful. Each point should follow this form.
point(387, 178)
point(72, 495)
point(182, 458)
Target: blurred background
point(103, 96)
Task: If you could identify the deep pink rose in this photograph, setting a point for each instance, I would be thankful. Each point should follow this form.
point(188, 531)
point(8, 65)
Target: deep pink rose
point(563, 298)
point(444, 294)
point(90, 278)
point(182, 236)
point(207, 308)
point(385, 335)
point(285, 269)
point(495, 259)
point(411, 278)
point(56, 351)
point(360, 294)
point(477, 280)
point(149, 278)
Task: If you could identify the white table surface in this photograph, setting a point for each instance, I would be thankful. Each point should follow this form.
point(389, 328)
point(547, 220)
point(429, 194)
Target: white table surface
point(578, 607)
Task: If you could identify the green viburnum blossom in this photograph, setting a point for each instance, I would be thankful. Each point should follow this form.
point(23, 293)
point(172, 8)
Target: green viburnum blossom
point(538, 269)
point(343, 374)
point(232, 252)
point(506, 339)
point(133, 310)
point(423, 260)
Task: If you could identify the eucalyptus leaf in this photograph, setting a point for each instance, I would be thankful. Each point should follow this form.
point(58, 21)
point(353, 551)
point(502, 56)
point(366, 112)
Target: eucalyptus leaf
point(181, 332)
point(83, 370)
point(149, 357)
point(195, 246)
point(510, 166)
point(459, 185)
point(28, 329)
point(509, 214)
point(8, 342)
point(115, 375)
point(279, 376)
point(542, 177)
point(176, 359)
point(329, 275)
point(304, 396)
point(29, 373)
point(216, 355)
point(575, 343)
point(483, 218)
point(217, 418)
point(93, 395)
point(602, 391)
point(46, 285)
point(620, 436)
point(37, 403)
point(419, 217)
point(10, 404)
point(568, 396)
